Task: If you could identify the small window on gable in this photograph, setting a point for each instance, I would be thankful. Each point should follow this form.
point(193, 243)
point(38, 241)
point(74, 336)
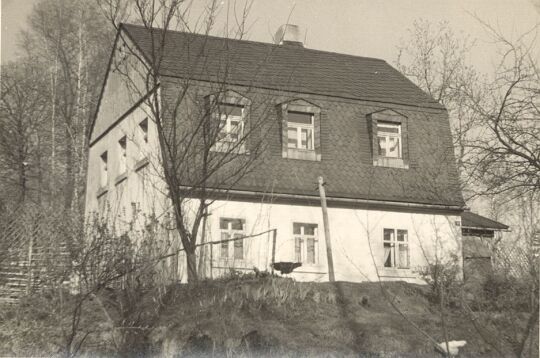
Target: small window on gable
point(300, 130)
point(143, 125)
point(122, 155)
point(389, 140)
point(103, 171)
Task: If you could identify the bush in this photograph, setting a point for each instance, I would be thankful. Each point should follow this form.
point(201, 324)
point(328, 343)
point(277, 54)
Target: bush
point(443, 279)
point(503, 292)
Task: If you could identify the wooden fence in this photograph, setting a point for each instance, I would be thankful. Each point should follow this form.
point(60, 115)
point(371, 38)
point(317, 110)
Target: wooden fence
point(34, 250)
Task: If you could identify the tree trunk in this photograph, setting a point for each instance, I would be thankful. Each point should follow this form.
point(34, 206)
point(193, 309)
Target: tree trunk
point(69, 183)
point(191, 258)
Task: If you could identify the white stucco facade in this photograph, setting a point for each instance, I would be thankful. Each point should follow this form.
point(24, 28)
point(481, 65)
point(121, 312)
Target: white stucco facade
point(356, 234)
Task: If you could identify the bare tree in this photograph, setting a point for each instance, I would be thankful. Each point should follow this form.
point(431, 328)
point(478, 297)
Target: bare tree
point(201, 153)
point(67, 41)
point(22, 116)
point(496, 127)
point(507, 148)
point(435, 59)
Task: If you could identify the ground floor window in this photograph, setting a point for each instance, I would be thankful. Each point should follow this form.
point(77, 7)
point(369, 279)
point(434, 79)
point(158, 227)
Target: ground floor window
point(306, 243)
point(231, 229)
point(396, 248)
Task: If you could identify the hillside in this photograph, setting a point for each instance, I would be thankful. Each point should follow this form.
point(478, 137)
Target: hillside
point(272, 317)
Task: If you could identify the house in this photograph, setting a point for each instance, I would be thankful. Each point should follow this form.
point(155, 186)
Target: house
point(382, 146)
point(479, 235)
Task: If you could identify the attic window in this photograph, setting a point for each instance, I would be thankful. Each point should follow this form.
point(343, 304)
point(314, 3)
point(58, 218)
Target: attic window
point(229, 112)
point(301, 130)
point(231, 123)
point(230, 127)
point(389, 140)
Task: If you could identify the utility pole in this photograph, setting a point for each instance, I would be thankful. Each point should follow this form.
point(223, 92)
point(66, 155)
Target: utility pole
point(274, 237)
point(322, 194)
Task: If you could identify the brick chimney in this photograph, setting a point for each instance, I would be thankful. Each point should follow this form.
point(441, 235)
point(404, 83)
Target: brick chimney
point(288, 35)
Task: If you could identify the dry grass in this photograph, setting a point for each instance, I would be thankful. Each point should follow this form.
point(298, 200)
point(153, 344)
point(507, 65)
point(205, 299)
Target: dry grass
point(281, 317)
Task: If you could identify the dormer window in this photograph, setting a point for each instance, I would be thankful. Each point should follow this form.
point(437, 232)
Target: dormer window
point(389, 139)
point(300, 130)
point(229, 113)
point(388, 131)
point(231, 123)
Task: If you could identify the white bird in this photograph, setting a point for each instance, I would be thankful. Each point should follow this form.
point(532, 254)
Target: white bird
point(453, 347)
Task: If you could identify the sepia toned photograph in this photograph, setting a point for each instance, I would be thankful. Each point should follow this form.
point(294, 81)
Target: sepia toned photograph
point(270, 178)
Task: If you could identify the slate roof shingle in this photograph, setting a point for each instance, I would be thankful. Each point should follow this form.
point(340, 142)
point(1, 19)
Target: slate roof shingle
point(472, 220)
point(282, 67)
point(347, 88)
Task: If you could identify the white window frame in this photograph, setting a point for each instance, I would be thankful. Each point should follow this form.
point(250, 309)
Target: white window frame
point(227, 141)
point(299, 127)
point(231, 245)
point(104, 169)
point(394, 246)
point(302, 240)
point(387, 137)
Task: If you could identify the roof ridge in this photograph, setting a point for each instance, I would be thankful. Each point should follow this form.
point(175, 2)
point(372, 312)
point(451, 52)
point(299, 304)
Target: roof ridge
point(256, 42)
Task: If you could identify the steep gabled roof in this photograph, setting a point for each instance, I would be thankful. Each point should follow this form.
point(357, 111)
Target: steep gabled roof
point(282, 67)
point(472, 220)
point(361, 86)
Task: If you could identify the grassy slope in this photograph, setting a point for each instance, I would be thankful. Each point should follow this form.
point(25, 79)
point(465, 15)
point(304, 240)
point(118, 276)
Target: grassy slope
point(314, 318)
point(291, 318)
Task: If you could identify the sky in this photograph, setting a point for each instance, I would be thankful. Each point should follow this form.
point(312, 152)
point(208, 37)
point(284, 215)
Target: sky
point(372, 28)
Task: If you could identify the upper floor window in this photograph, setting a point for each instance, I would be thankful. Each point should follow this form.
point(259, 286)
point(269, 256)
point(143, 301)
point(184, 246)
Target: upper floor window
point(306, 244)
point(103, 170)
point(396, 248)
point(231, 123)
point(232, 229)
point(122, 155)
point(389, 139)
point(388, 131)
point(300, 130)
point(230, 112)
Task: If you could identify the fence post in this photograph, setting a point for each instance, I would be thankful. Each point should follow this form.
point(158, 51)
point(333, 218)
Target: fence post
point(211, 261)
point(274, 237)
point(29, 258)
